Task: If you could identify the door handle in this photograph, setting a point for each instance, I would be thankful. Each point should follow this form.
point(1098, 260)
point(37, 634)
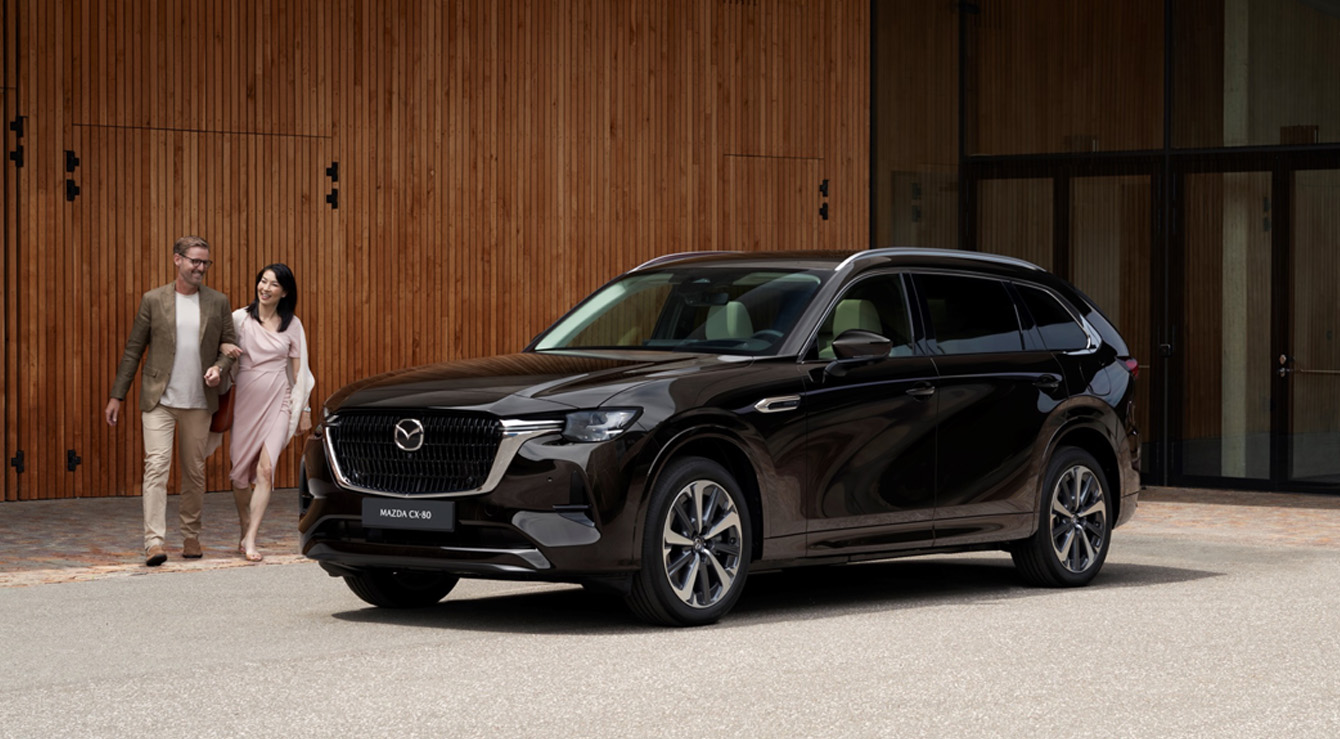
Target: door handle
point(922, 391)
point(1047, 382)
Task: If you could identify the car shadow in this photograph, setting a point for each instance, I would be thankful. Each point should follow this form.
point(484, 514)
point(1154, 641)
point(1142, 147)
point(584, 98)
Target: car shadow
point(798, 594)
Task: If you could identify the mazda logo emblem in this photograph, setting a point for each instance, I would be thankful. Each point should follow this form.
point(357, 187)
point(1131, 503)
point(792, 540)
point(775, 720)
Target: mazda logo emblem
point(409, 434)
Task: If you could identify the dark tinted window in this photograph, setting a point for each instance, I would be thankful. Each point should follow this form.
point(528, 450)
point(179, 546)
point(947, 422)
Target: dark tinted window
point(875, 304)
point(970, 315)
point(1059, 330)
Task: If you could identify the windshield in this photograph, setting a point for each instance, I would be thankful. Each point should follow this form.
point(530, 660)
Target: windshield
point(692, 309)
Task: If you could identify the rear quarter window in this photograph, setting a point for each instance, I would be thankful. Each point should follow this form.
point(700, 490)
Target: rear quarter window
point(1057, 326)
point(970, 315)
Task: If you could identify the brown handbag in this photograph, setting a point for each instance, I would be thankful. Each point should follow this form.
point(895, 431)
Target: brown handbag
point(223, 417)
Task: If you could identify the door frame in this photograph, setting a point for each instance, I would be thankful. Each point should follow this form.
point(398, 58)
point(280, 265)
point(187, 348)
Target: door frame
point(1281, 163)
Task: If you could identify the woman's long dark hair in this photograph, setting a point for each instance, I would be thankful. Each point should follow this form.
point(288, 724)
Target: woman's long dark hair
point(284, 276)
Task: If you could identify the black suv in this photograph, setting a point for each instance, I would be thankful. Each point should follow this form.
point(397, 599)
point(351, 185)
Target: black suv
point(708, 415)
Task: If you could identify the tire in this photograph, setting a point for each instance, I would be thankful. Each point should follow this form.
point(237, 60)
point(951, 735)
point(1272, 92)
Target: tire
point(386, 588)
point(695, 549)
point(1074, 524)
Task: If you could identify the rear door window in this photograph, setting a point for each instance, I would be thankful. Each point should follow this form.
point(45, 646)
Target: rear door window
point(1060, 332)
point(970, 315)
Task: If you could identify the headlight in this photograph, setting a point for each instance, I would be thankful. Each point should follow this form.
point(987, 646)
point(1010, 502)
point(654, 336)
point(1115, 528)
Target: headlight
point(598, 425)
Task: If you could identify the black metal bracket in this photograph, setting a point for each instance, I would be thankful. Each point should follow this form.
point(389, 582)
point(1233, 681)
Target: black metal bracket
point(333, 171)
point(823, 188)
point(71, 191)
point(16, 126)
point(72, 460)
point(16, 461)
point(333, 197)
point(71, 161)
point(823, 211)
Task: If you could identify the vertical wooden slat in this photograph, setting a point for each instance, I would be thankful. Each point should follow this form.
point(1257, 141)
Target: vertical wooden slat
point(8, 237)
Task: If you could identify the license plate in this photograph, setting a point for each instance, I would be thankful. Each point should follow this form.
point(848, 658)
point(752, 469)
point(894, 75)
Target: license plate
point(426, 515)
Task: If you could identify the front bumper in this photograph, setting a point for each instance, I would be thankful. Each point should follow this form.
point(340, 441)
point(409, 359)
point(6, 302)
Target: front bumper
point(555, 512)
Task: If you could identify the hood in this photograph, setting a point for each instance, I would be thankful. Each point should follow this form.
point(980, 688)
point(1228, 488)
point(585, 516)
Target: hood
point(526, 383)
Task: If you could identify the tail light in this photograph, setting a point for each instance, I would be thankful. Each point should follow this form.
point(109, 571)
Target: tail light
point(1132, 366)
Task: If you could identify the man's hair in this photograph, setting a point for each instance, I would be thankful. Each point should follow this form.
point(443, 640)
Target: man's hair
point(188, 242)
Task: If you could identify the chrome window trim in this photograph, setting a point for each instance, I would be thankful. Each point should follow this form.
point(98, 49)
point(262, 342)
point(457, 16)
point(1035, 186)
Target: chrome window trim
point(515, 434)
point(1095, 339)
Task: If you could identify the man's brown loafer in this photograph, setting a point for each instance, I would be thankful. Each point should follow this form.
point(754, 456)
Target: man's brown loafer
point(190, 549)
point(154, 556)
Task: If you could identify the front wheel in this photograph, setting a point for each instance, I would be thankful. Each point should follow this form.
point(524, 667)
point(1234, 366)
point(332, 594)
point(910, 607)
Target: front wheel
point(695, 549)
point(387, 588)
point(1074, 526)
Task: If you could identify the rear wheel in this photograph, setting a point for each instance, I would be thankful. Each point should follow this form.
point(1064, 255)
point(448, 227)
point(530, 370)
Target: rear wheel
point(695, 550)
point(1074, 525)
point(387, 588)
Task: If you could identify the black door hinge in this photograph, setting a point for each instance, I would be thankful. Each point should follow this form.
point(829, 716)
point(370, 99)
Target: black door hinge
point(16, 126)
point(72, 460)
point(16, 462)
point(333, 197)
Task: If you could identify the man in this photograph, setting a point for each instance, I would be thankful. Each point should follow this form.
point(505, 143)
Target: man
point(181, 325)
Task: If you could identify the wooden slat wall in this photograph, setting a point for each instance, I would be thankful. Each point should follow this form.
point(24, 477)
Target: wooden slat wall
point(497, 161)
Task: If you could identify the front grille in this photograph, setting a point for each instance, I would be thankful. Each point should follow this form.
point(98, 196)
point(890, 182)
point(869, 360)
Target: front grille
point(457, 453)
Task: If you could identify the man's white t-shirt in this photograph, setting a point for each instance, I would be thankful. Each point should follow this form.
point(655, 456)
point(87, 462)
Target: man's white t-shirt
point(186, 384)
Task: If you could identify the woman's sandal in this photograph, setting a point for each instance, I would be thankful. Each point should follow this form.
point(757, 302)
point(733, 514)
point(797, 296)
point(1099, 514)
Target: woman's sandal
point(254, 556)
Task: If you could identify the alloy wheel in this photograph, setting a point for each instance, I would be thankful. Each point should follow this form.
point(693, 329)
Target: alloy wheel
point(1078, 519)
point(701, 543)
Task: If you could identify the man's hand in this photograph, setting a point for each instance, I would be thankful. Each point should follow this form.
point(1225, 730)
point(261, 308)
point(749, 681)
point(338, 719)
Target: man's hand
point(113, 411)
point(212, 376)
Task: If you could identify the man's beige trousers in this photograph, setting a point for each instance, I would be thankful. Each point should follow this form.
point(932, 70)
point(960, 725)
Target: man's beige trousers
point(192, 432)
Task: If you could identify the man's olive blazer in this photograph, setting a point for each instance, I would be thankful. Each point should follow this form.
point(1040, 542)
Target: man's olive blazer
point(155, 329)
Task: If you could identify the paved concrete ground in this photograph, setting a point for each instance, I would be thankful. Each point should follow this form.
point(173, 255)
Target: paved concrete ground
point(1216, 615)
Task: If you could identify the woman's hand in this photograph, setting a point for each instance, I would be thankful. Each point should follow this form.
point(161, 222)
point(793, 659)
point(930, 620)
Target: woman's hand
point(232, 350)
point(304, 422)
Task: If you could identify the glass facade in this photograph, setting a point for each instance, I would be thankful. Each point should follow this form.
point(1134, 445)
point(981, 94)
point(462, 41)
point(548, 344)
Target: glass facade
point(1179, 161)
point(1255, 72)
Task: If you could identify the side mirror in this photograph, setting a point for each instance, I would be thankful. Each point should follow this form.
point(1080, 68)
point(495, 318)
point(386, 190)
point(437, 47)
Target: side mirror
point(855, 347)
point(857, 344)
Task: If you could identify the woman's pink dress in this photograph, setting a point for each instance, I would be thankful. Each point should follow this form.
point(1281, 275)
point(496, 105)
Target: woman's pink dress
point(261, 408)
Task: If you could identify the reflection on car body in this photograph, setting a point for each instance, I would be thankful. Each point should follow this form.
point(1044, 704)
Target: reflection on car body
point(708, 415)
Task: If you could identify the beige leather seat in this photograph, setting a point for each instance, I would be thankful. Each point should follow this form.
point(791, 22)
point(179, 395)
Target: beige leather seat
point(850, 314)
point(729, 321)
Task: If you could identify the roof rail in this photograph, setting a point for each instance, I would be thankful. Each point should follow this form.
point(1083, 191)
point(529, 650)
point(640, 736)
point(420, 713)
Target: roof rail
point(667, 258)
point(901, 251)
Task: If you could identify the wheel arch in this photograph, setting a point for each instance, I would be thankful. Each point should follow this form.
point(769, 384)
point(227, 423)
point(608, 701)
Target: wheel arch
point(1093, 441)
point(726, 450)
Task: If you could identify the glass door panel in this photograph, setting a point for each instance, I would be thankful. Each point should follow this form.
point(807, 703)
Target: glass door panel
point(1014, 218)
point(1110, 237)
point(1313, 373)
point(1225, 295)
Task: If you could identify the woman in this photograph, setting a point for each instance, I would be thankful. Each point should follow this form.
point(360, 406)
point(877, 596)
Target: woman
point(272, 387)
